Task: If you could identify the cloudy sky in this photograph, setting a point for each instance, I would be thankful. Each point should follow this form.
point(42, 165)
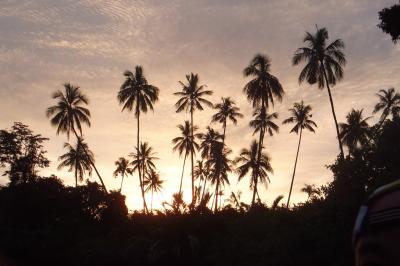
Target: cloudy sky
point(44, 43)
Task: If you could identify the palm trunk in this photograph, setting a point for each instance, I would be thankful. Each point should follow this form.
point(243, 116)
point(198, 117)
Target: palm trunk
point(223, 136)
point(260, 146)
point(122, 181)
point(183, 169)
point(191, 133)
point(76, 176)
point(204, 188)
point(294, 170)
point(94, 166)
point(151, 204)
point(138, 158)
point(216, 196)
point(333, 111)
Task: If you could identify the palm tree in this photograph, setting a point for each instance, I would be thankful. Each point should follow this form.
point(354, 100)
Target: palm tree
point(276, 201)
point(136, 93)
point(310, 190)
point(122, 169)
point(201, 172)
point(76, 160)
point(324, 65)
point(258, 169)
point(389, 102)
point(356, 132)
point(191, 99)
point(263, 120)
point(219, 165)
point(301, 117)
point(152, 183)
point(207, 140)
point(143, 160)
point(185, 144)
point(69, 114)
point(262, 90)
point(226, 110)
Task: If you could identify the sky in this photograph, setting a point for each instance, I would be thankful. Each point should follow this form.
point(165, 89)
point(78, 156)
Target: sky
point(90, 43)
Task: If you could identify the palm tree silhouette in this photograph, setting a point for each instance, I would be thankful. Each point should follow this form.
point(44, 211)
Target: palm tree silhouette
point(389, 102)
point(191, 99)
point(69, 114)
point(207, 140)
point(136, 93)
point(220, 165)
point(143, 160)
point(152, 183)
point(122, 169)
point(226, 110)
point(186, 144)
point(201, 172)
point(300, 116)
point(261, 91)
point(75, 158)
point(263, 120)
point(324, 65)
point(258, 168)
point(356, 132)
point(311, 190)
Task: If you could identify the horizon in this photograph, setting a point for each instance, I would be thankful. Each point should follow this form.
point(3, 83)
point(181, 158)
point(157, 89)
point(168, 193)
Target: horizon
point(42, 49)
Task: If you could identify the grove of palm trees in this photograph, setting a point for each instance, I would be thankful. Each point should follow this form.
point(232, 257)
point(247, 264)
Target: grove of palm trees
point(44, 221)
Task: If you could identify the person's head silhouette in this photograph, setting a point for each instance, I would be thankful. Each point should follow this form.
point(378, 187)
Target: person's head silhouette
point(377, 229)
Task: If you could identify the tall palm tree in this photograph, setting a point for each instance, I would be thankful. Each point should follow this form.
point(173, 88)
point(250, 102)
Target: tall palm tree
point(143, 160)
point(153, 183)
point(136, 94)
point(311, 191)
point(301, 118)
point(186, 144)
point(324, 65)
point(226, 110)
point(220, 165)
point(257, 168)
point(69, 114)
point(262, 90)
point(122, 169)
point(207, 140)
point(356, 132)
point(76, 160)
point(389, 102)
point(191, 99)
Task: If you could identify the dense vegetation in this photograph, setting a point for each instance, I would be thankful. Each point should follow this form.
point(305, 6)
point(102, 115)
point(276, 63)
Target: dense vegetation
point(44, 222)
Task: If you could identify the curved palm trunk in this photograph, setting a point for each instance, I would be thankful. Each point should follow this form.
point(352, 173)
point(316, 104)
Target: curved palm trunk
point(122, 181)
point(294, 170)
point(76, 175)
point(333, 112)
point(192, 150)
point(94, 166)
point(183, 170)
point(140, 168)
point(223, 136)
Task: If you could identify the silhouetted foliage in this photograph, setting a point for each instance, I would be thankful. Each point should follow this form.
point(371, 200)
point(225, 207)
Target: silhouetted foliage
point(390, 21)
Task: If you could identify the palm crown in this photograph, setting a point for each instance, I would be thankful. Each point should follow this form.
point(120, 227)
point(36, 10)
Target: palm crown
point(207, 141)
point(136, 93)
point(356, 131)
point(226, 110)
point(263, 120)
point(69, 114)
point(389, 102)
point(321, 59)
point(143, 158)
point(301, 115)
point(184, 143)
point(264, 86)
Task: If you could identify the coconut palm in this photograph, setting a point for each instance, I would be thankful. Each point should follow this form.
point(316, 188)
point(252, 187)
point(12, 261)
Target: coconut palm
point(263, 120)
point(207, 140)
point(301, 118)
point(389, 104)
point(226, 110)
point(276, 202)
point(153, 183)
point(311, 190)
point(143, 160)
point(262, 89)
point(220, 165)
point(122, 169)
point(356, 132)
point(324, 65)
point(136, 94)
point(258, 169)
point(76, 160)
point(186, 144)
point(191, 99)
point(69, 114)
